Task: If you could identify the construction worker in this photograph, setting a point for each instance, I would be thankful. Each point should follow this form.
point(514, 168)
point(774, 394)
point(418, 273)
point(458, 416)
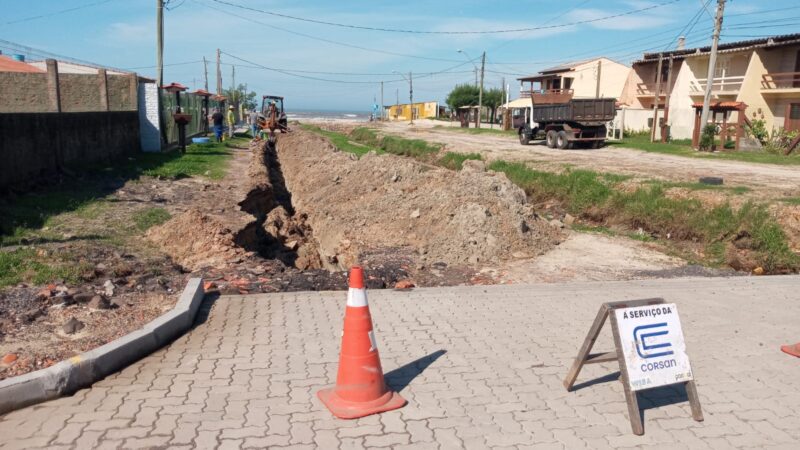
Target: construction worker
point(231, 121)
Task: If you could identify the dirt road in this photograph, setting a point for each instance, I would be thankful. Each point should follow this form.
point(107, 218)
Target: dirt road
point(766, 179)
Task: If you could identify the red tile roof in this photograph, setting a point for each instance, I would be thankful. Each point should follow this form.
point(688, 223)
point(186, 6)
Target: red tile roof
point(9, 65)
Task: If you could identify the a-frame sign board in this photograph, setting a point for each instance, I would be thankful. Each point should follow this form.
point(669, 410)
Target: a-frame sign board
point(649, 343)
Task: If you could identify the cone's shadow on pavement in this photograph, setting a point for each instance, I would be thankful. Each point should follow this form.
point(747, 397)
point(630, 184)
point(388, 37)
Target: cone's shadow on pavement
point(401, 377)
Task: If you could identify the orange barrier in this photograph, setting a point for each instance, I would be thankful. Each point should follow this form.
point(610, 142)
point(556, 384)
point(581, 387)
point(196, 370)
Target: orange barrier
point(360, 387)
point(793, 350)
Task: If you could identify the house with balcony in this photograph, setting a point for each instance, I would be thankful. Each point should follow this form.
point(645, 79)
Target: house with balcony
point(579, 79)
point(762, 73)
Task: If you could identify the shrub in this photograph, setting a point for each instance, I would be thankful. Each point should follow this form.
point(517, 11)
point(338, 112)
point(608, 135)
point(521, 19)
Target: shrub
point(707, 137)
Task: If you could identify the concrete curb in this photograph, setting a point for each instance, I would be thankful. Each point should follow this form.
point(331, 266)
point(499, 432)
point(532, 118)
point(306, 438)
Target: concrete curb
point(82, 370)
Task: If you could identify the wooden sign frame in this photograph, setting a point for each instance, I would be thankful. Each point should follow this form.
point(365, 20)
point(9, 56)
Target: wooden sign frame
point(584, 357)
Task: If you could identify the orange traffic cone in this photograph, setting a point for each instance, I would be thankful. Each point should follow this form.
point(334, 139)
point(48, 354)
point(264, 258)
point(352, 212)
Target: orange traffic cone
point(360, 388)
point(793, 350)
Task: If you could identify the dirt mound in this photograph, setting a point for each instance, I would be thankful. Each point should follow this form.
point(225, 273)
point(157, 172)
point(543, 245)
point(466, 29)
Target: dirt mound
point(195, 240)
point(463, 218)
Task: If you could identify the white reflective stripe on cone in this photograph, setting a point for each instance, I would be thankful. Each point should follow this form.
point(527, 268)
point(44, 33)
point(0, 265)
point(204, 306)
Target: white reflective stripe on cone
point(357, 297)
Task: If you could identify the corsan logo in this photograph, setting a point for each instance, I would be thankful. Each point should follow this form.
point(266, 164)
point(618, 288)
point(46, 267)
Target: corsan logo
point(644, 332)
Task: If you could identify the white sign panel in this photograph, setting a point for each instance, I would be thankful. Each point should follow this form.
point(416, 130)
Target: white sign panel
point(653, 345)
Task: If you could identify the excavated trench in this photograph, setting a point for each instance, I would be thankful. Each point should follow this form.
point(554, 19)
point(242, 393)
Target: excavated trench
point(277, 232)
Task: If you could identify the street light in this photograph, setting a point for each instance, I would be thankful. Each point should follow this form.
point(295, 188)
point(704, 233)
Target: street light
point(410, 80)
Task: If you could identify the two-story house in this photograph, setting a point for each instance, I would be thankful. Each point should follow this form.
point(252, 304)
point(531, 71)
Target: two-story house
point(762, 73)
point(582, 79)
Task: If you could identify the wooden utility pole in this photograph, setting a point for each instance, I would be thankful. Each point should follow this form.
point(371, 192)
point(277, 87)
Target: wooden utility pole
point(656, 98)
point(205, 73)
point(480, 93)
point(411, 96)
point(666, 101)
point(160, 42)
point(712, 63)
point(219, 74)
point(599, 73)
point(382, 107)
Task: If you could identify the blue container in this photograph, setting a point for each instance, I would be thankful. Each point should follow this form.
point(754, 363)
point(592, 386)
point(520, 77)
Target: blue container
point(20, 58)
point(201, 140)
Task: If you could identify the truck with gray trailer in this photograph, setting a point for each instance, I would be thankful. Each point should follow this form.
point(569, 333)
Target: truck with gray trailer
point(565, 122)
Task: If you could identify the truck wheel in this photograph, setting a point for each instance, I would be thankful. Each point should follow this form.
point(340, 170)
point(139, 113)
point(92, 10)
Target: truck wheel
point(562, 141)
point(597, 144)
point(524, 139)
point(550, 138)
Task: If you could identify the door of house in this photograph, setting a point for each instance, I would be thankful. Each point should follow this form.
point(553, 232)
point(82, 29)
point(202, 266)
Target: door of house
point(792, 120)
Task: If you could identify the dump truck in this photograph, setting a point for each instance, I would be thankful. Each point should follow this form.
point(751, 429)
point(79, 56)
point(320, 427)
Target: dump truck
point(565, 122)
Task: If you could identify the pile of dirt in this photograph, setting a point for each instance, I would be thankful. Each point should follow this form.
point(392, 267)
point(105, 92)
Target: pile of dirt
point(472, 217)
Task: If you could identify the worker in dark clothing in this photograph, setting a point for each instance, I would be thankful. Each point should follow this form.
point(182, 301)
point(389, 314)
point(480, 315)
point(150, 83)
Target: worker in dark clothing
point(217, 118)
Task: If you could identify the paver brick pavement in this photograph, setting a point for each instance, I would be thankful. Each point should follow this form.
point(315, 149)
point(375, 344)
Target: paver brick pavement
point(481, 367)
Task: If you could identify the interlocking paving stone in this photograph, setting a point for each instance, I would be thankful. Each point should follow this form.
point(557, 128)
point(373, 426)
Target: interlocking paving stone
point(480, 366)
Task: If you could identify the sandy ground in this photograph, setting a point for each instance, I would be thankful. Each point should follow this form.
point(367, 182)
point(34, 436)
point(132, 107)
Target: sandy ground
point(767, 179)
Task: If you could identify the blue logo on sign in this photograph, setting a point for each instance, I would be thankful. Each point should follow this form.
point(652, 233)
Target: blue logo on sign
point(645, 350)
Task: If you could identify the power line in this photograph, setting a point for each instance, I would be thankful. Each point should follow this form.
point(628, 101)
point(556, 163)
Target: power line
point(286, 72)
point(55, 13)
point(321, 39)
point(397, 30)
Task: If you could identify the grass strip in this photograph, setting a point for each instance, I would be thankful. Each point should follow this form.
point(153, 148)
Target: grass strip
point(592, 196)
point(684, 148)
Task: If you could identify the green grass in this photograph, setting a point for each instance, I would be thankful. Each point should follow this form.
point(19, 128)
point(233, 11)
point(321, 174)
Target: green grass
point(25, 265)
point(362, 140)
point(342, 141)
point(150, 217)
point(415, 148)
point(455, 161)
point(700, 186)
point(591, 195)
point(791, 200)
point(27, 214)
point(683, 148)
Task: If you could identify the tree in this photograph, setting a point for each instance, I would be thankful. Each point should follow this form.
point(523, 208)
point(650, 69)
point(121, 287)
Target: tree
point(492, 99)
point(237, 96)
point(462, 95)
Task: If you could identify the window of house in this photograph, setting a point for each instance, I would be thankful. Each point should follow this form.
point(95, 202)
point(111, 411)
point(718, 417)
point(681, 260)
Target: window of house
point(794, 111)
point(567, 83)
point(723, 67)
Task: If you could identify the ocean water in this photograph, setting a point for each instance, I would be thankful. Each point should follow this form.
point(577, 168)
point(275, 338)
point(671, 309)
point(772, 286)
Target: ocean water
point(308, 114)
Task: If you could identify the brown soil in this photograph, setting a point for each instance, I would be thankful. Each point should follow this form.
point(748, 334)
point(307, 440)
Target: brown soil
point(466, 218)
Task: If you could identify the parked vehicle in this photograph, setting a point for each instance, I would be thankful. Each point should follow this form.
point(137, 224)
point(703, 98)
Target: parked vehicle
point(564, 122)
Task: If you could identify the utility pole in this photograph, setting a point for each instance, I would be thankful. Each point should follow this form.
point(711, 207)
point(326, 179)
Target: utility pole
point(712, 62)
point(160, 41)
point(599, 72)
point(411, 95)
point(480, 93)
point(666, 101)
point(382, 105)
point(476, 76)
point(657, 98)
point(205, 72)
point(219, 74)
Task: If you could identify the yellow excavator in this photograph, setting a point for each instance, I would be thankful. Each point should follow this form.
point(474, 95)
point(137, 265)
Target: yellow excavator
point(273, 117)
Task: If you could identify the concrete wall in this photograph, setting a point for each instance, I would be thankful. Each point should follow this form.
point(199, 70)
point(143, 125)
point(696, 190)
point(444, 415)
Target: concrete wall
point(79, 92)
point(36, 145)
point(37, 92)
point(149, 126)
point(23, 92)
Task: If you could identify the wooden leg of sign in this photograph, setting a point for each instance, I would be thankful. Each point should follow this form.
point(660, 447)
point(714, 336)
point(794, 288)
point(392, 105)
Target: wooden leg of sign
point(694, 401)
point(631, 397)
point(583, 353)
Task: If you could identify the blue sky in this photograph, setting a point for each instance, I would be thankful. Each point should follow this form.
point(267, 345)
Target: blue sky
point(121, 33)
